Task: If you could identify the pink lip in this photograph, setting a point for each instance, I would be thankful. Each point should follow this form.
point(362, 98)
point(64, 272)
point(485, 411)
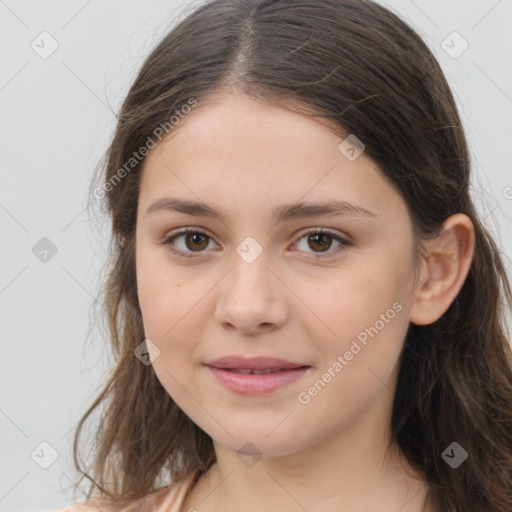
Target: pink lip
point(225, 370)
point(253, 363)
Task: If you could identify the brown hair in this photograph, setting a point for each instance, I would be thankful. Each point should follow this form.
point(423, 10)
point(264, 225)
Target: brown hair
point(356, 65)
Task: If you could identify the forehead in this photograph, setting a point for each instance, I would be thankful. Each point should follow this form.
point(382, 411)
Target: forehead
point(243, 153)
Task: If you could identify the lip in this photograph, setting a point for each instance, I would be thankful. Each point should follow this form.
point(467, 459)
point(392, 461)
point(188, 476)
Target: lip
point(284, 372)
point(253, 363)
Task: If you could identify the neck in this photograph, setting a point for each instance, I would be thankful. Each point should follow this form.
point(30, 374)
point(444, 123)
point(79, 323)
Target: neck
point(356, 469)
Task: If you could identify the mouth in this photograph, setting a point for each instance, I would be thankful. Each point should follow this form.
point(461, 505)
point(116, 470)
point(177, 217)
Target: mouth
point(260, 363)
point(249, 371)
point(255, 375)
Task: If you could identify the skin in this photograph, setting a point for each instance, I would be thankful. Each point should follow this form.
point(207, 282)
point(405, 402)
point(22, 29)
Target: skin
point(329, 454)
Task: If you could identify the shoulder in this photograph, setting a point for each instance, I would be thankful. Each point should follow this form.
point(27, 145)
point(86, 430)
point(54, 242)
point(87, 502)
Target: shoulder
point(167, 499)
point(171, 499)
point(77, 507)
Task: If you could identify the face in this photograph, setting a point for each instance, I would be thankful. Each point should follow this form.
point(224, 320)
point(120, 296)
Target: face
point(317, 302)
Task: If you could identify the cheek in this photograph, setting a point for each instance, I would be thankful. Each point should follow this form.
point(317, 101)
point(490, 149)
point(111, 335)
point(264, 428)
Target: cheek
point(167, 299)
point(364, 320)
point(358, 361)
point(356, 300)
point(170, 313)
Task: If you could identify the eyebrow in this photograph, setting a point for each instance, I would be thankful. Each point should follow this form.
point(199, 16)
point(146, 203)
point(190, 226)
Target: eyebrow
point(279, 213)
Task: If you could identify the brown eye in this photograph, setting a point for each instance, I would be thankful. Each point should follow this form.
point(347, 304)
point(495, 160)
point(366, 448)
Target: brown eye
point(320, 241)
point(317, 243)
point(196, 241)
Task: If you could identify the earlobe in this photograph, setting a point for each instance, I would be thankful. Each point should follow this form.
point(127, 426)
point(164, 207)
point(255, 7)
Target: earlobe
point(444, 271)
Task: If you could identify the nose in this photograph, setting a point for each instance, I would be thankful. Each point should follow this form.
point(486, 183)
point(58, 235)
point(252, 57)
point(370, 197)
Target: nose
point(252, 297)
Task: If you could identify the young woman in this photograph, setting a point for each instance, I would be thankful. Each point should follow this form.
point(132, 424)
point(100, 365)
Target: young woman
point(305, 310)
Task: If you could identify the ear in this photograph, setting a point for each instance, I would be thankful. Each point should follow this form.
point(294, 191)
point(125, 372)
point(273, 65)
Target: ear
point(444, 270)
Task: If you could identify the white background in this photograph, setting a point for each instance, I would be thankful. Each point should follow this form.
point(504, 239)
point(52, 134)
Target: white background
point(56, 120)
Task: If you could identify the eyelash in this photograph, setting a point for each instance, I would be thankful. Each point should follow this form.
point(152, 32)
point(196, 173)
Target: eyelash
point(344, 243)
